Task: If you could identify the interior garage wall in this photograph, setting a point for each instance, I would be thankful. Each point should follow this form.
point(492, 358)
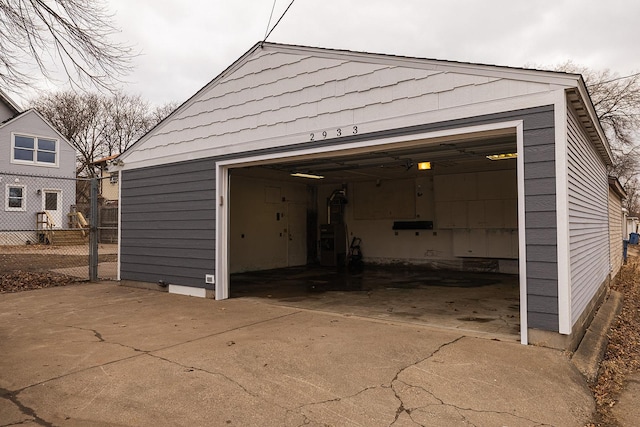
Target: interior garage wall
point(260, 221)
point(474, 215)
point(168, 223)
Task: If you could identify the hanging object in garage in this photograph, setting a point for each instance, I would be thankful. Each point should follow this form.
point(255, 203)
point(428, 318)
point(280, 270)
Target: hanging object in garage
point(333, 236)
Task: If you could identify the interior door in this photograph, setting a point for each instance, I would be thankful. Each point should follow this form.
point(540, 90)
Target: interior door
point(297, 230)
point(52, 204)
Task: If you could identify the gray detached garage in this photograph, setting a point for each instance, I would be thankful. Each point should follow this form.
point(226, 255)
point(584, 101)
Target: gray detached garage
point(293, 151)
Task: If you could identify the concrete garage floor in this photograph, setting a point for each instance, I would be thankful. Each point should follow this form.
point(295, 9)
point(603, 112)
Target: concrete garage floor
point(479, 304)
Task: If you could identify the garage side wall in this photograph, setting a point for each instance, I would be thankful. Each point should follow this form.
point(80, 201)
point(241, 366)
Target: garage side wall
point(168, 223)
point(588, 218)
point(616, 233)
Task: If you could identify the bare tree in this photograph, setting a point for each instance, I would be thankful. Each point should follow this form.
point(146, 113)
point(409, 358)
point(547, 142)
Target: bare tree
point(98, 125)
point(41, 36)
point(127, 119)
point(80, 119)
point(160, 113)
point(616, 100)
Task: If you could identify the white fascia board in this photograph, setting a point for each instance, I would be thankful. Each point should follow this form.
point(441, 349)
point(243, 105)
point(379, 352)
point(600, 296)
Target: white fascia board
point(522, 237)
point(562, 217)
point(119, 259)
point(222, 233)
point(176, 153)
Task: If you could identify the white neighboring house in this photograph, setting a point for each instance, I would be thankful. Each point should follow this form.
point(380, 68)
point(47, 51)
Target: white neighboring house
point(37, 174)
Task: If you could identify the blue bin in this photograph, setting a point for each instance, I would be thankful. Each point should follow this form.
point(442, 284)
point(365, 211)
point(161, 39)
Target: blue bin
point(634, 238)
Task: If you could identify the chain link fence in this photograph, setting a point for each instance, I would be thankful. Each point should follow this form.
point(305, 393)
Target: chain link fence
point(60, 227)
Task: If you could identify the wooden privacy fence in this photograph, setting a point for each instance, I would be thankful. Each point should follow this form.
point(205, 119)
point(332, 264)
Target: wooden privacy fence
point(107, 222)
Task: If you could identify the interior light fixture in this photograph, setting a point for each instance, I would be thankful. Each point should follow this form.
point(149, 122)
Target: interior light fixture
point(307, 175)
point(503, 156)
point(423, 166)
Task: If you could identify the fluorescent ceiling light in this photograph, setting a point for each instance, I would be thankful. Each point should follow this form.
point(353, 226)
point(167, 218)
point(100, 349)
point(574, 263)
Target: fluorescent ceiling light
point(502, 156)
point(423, 166)
point(307, 175)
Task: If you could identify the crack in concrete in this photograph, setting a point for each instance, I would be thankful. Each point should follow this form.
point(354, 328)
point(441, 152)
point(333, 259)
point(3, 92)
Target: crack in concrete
point(12, 397)
point(401, 408)
point(102, 340)
point(140, 352)
point(220, 374)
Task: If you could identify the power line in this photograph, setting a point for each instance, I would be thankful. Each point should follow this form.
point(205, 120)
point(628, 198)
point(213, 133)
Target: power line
point(276, 24)
point(269, 23)
point(616, 79)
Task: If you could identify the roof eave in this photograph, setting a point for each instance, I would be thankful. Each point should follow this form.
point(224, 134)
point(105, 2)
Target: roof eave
point(10, 102)
point(581, 102)
point(617, 188)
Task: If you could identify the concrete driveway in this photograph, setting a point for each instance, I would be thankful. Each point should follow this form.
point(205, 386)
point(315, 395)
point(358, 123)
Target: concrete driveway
point(102, 354)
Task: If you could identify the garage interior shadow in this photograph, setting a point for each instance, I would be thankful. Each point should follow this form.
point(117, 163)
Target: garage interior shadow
point(478, 304)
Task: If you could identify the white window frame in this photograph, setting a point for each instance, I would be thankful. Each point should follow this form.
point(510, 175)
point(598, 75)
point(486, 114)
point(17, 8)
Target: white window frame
point(35, 161)
point(23, 208)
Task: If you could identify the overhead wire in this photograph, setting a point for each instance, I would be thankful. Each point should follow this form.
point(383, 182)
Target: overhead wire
point(269, 23)
point(618, 78)
point(276, 24)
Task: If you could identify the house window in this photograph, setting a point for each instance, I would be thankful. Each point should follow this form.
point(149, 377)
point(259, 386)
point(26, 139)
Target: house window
point(15, 199)
point(35, 150)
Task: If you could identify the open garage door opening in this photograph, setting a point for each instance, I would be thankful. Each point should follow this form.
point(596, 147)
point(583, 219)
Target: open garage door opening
point(424, 231)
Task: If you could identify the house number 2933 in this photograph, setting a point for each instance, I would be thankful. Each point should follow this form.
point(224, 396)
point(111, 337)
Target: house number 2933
point(338, 133)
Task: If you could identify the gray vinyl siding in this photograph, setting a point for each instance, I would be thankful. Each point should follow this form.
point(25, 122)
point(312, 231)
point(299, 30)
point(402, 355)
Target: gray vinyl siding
point(31, 124)
point(156, 246)
point(588, 217)
point(541, 222)
point(168, 223)
point(615, 232)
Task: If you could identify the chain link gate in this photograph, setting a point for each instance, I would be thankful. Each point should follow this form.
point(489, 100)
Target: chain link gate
point(55, 230)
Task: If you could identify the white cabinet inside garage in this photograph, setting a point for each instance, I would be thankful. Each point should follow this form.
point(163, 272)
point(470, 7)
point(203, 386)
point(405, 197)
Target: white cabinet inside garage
point(481, 209)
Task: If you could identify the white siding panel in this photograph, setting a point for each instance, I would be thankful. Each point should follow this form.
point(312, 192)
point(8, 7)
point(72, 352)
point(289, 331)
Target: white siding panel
point(588, 218)
point(260, 98)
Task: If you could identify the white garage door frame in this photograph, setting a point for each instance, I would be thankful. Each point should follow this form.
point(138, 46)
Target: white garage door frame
point(419, 139)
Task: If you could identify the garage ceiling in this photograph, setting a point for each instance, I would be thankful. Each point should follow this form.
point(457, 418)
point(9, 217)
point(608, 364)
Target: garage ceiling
point(393, 161)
